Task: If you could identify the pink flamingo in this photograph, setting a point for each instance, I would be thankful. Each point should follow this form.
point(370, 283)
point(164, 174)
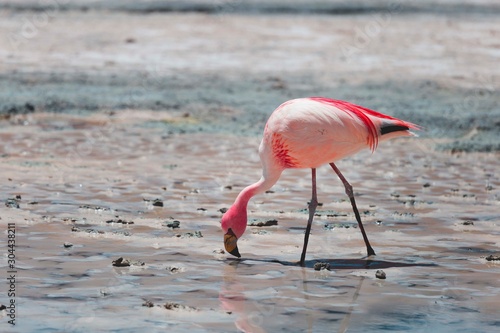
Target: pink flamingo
point(307, 133)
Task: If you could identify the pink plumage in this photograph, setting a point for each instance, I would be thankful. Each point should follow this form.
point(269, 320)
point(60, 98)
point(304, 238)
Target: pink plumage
point(308, 133)
point(370, 118)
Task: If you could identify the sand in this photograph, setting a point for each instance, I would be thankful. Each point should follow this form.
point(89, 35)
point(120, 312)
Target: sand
point(126, 143)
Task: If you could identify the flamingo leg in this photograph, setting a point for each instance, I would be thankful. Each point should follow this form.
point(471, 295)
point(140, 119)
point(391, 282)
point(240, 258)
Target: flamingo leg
point(350, 194)
point(312, 209)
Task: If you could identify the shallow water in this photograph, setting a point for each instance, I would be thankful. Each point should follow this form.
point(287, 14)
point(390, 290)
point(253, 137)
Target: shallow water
point(82, 171)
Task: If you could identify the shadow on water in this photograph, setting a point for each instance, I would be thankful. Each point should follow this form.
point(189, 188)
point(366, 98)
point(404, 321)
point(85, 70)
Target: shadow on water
point(335, 263)
point(234, 291)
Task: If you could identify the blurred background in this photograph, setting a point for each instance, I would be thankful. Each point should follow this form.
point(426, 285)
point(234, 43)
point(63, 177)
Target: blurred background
point(227, 64)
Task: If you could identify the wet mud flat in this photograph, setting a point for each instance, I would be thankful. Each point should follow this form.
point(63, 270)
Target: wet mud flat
point(95, 245)
point(125, 138)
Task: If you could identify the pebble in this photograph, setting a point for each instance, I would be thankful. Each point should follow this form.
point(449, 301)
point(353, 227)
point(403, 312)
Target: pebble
point(177, 306)
point(119, 220)
point(380, 274)
point(12, 203)
point(268, 223)
point(196, 234)
point(125, 262)
point(148, 304)
point(175, 269)
point(174, 224)
point(157, 203)
point(319, 266)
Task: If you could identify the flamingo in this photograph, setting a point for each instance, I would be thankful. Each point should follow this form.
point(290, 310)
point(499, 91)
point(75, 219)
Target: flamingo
point(307, 133)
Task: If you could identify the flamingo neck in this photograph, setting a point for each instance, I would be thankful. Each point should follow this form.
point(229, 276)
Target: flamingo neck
point(248, 192)
point(236, 217)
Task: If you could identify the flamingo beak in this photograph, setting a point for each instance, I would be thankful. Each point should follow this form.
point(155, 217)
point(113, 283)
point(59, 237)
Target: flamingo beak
point(230, 241)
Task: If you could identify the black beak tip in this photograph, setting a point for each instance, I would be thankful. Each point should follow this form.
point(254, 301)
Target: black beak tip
point(235, 253)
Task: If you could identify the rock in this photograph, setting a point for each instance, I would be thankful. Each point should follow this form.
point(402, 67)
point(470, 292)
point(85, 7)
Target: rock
point(67, 245)
point(94, 207)
point(331, 226)
point(174, 269)
point(93, 231)
point(122, 233)
point(380, 274)
point(105, 292)
point(319, 266)
point(177, 306)
point(196, 234)
point(119, 220)
point(223, 210)
point(12, 202)
point(492, 258)
point(125, 262)
point(120, 262)
point(13, 110)
point(157, 203)
point(268, 223)
point(468, 222)
point(336, 214)
point(174, 224)
point(148, 304)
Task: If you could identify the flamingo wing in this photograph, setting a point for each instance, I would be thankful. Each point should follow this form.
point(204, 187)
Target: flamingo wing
point(309, 132)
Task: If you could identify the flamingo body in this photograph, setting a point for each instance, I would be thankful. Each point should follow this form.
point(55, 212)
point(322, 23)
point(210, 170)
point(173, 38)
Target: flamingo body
point(308, 133)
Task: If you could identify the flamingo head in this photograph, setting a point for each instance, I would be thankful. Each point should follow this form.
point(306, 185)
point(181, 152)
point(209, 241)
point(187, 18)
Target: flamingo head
point(234, 223)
